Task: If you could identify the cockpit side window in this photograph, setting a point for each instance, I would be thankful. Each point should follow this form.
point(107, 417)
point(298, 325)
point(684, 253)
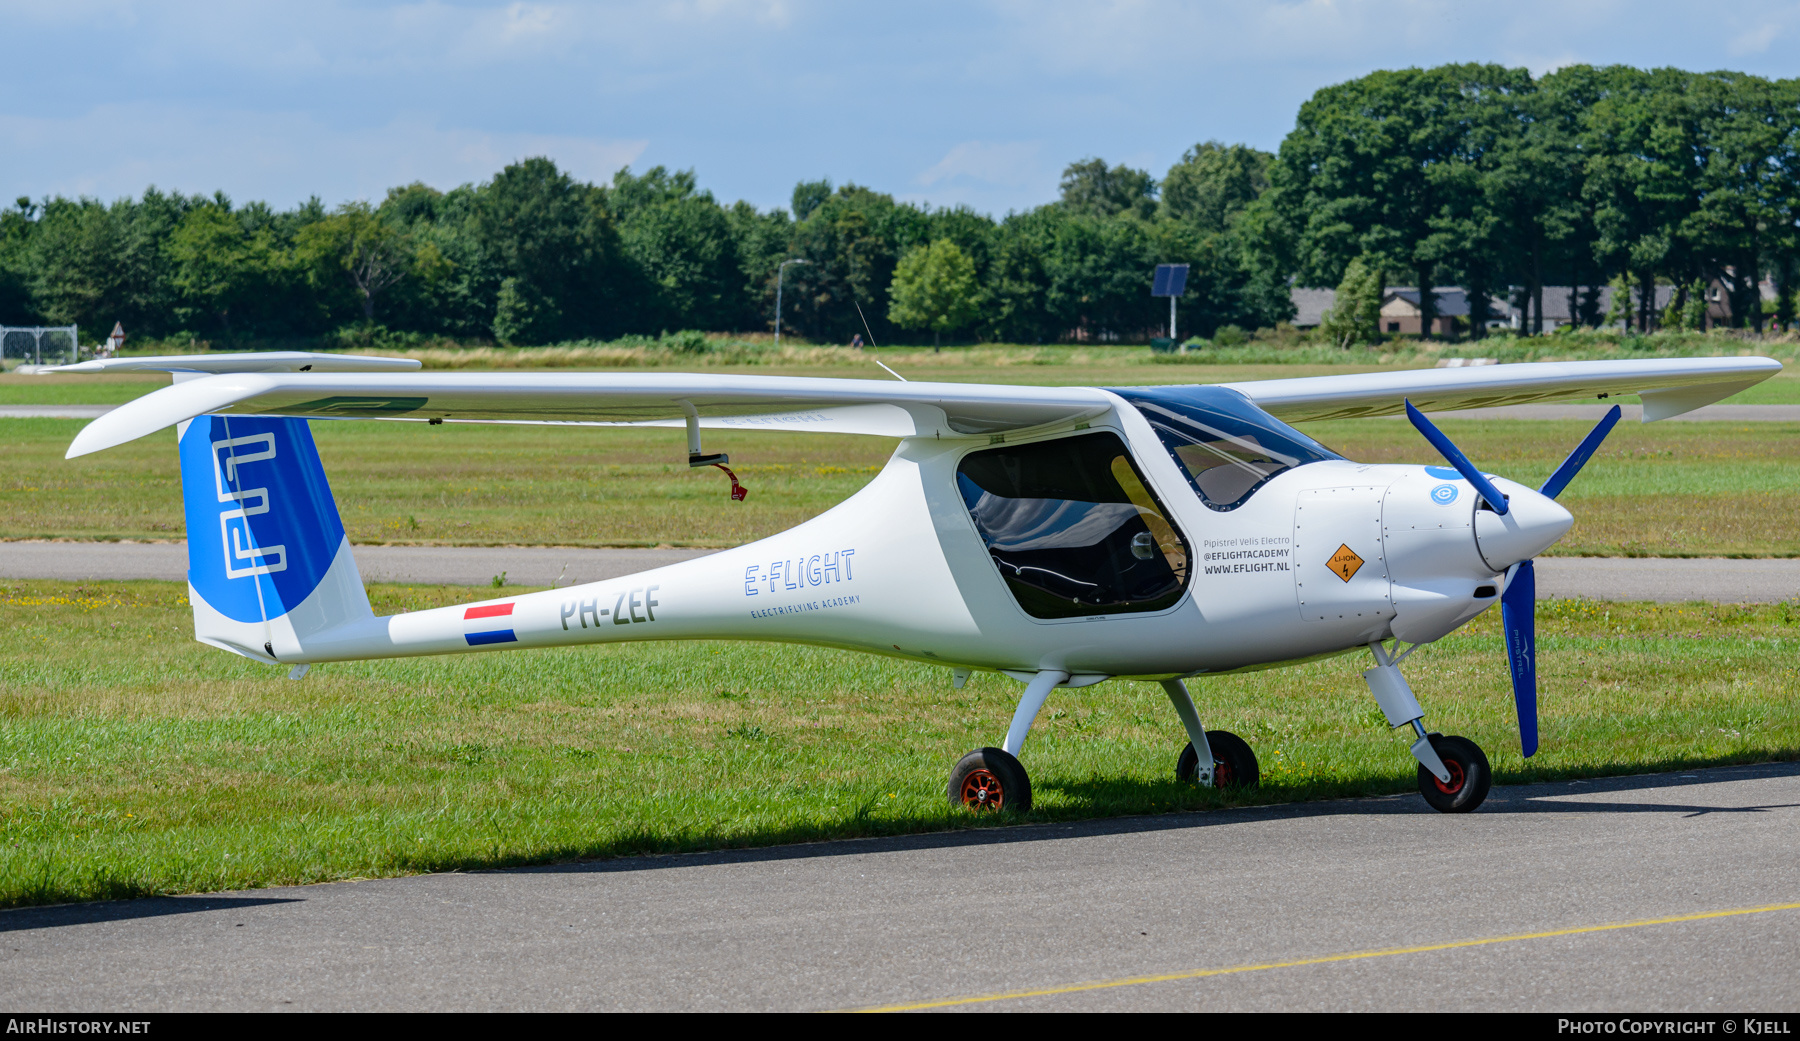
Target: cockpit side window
point(1227, 447)
point(1073, 528)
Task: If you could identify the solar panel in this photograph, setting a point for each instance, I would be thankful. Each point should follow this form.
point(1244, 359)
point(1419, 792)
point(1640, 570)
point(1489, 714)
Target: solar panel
point(1170, 280)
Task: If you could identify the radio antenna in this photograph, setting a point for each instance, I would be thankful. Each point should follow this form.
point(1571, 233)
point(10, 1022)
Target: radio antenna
point(871, 332)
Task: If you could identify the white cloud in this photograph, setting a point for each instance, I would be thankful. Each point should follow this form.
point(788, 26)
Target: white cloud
point(527, 21)
point(283, 158)
point(1010, 164)
point(774, 12)
point(1756, 41)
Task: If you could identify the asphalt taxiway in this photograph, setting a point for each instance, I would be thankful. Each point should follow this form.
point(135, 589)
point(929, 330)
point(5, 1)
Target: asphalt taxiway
point(1669, 892)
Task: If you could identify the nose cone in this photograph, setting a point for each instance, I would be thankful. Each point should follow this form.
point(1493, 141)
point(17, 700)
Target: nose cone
point(1532, 525)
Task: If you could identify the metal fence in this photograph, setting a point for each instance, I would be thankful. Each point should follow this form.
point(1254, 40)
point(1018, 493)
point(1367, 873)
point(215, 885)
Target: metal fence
point(39, 344)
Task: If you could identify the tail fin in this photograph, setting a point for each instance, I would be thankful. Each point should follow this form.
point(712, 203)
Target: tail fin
point(268, 562)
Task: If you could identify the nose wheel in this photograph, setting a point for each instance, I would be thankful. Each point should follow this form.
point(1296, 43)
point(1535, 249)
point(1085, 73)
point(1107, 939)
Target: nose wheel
point(990, 780)
point(1469, 780)
point(1234, 764)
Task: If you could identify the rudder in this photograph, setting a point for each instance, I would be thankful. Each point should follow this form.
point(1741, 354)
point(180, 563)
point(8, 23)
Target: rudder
point(269, 564)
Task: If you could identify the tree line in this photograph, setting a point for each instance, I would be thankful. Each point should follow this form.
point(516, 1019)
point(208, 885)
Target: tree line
point(536, 256)
point(1488, 178)
point(1475, 175)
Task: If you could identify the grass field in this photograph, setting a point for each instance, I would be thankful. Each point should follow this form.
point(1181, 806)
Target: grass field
point(1667, 489)
point(134, 761)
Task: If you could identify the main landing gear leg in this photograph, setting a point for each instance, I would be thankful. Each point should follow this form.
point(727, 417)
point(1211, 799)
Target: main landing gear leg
point(1197, 743)
point(1213, 758)
point(1453, 772)
point(992, 778)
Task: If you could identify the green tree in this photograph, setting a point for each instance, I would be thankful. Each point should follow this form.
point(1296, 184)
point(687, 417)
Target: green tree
point(218, 264)
point(1378, 167)
point(16, 226)
point(558, 240)
point(1213, 183)
point(761, 242)
point(1098, 271)
point(1355, 313)
point(373, 254)
point(851, 243)
point(1016, 283)
point(935, 288)
point(1742, 223)
point(1516, 205)
point(1638, 138)
point(809, 196)
point(1618, 310)
point(94, 265)
point(682, 245)
point(518, 316)
point(1091, 188)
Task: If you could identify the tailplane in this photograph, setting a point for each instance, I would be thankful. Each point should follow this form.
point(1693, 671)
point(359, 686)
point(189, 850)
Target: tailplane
point(269, 566)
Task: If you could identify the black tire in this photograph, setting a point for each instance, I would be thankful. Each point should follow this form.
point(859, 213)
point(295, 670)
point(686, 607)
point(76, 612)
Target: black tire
point(1470, 776)
point(1234, 764)
point(990, 780)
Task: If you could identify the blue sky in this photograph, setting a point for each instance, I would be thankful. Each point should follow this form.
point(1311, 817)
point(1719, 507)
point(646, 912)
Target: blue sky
point(971, 102)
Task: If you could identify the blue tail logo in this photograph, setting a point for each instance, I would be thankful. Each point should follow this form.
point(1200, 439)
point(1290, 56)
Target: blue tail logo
point(243, 557)
point(262, 526)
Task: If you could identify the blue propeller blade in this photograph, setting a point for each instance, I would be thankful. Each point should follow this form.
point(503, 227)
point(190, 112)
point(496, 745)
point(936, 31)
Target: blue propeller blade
point(1455, 457)
point(1518, 619)
point(1578, 458)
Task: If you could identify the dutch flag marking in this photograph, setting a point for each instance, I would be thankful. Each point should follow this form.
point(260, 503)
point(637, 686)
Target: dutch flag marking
point(494, 635)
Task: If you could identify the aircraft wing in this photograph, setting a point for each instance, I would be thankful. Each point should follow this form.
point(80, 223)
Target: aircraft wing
point(1667, 386)
point(847, 406)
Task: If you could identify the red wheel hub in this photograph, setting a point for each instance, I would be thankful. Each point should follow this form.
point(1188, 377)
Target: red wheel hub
point(981, 790)
point(1457, 777)
point(1223, 775)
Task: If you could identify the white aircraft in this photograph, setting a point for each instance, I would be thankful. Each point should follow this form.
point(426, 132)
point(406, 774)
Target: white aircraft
point(1060, 535)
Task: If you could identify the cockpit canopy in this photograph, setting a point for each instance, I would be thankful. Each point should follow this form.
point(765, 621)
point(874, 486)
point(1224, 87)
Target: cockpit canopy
point(1227, 447)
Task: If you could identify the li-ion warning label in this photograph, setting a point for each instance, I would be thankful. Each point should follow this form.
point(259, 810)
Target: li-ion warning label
point(1344, 563)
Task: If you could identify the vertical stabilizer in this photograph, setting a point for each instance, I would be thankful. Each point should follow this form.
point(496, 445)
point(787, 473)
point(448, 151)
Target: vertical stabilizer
point(269, 565)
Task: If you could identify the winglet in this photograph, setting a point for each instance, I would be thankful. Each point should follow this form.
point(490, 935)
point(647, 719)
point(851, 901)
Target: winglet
point(165, 408)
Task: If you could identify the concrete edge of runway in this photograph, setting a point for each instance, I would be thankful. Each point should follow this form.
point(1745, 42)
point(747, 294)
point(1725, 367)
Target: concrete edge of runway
point(1501, 799)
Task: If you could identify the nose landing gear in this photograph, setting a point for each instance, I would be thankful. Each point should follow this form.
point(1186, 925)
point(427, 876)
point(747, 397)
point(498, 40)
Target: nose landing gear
point(1469, 780)
point(1453, 773)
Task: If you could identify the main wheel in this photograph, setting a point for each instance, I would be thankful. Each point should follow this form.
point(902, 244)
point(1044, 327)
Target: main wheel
point(1470, 777)
point(990, 779)
point(1234, 764)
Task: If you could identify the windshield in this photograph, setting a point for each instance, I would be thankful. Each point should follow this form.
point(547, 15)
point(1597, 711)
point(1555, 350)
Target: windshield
point(1225, 444)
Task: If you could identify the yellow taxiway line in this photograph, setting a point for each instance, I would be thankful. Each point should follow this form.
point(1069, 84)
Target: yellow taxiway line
point(1386, 952)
